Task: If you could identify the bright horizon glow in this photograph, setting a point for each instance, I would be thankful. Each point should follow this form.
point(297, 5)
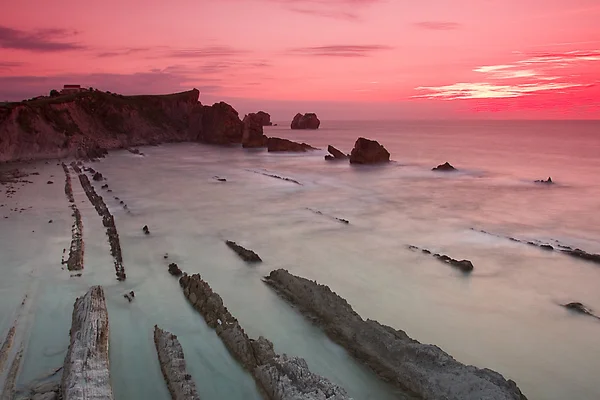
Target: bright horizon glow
point(511, 59)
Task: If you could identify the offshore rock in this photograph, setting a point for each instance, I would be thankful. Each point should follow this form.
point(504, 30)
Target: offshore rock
point(580, 308)
point(306, 121)
point(445, 167)
point(245, 254)
point(174, 269)
point(173, 366)
point(253, 135)
point(264, 118)
point(335, 154)
point(279, 376)
point(423, 369)
point(86, 372)
point(548, 181)
point(221, 124)
point(277, 144)
point(367, 151)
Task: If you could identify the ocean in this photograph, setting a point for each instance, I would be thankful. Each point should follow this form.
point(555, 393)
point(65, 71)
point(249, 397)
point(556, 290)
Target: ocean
point(505, 316)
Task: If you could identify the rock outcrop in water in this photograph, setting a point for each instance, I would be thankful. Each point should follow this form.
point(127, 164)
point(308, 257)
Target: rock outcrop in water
point(580, 308)
point(253, 135)
point(264, 118)
point(86, 373)
point(245, 254)
point(445, 167)
point(306, 121)
point(279, 376)
point(277, 145)
point(367, 151)
point(173, 367)
point(423, 369)
point(86, 124)
point(335, 154)
point(465, 266)
point(548, 181)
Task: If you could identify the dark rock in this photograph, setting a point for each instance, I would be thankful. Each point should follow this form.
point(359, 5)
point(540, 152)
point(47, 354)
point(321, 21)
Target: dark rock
point(264, 118)
point(445, 167)
point(306, 121)
point(245, 254)
point(49, 182)
point(129, 296)
point(277, 144)
point(465, 266)
point(546, 247)
point(580, 308)
point(146, 229)
point(174, 270)
point(105, 186)
point(221, 124)
point(220, 179)
point(548, 181)
point(98, 177)
point(50, 221)
point(367, 151)
point(335, 154)
point(423, 369)
point(166, 256)
point(253, 135)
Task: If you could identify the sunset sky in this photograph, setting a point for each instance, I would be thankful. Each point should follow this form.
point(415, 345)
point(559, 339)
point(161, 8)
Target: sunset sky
point(361, 59)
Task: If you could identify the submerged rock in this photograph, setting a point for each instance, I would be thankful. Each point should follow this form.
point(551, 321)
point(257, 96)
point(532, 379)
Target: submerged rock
point(97, 176)
point(445, 167)
point(145, 229)
point(277, 144)
point(245, 254)
point(548, 181)
point(174, 269)
point(306, 121)
point(423, 369)
point(173, 366)
point(580, 308)
point(335, 154)
point(367, 151)
point(86, 373)
point(129, 296)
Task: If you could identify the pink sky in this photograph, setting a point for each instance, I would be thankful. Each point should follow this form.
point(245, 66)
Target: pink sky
point(344, 59)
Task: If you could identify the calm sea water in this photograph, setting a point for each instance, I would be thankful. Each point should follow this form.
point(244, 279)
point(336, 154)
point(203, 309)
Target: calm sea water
point(504, 316)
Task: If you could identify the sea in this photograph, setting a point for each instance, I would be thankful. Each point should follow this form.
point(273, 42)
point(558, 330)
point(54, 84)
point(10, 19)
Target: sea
point(506, 315)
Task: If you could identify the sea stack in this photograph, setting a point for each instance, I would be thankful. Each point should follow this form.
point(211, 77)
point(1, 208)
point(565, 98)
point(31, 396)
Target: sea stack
point(253, 135)
point(445, 167)
point(306, 121)
point(367, 151)
point(264, 118)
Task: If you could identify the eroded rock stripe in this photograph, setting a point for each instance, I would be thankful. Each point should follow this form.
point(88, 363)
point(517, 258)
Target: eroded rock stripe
point(86, 368)
point(279, 376)
point(424, 369)
point(108, 221)
point(8, 393)
point(342, 220)
point(173, 367)
point(275, 176)
point(75, 261)
point(465, 266)
point(6, 346)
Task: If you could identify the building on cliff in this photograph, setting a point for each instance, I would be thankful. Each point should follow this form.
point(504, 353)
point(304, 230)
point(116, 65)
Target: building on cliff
point(69, 89)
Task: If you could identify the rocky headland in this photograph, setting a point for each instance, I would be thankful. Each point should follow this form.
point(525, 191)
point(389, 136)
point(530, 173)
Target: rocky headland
point(306, 121)
point(423, 369)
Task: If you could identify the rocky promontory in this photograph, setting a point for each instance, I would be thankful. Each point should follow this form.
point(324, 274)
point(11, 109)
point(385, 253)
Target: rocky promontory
point(367, 151)
point(280, 377)
point(423, 369)
point(87, 123)
point(306, 121)
point(86, 373)
point(253, 135)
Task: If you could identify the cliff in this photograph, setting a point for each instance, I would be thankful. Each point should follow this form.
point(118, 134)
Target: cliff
point(75, 125)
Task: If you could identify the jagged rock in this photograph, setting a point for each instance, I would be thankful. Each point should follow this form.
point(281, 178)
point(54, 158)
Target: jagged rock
point(105, 186)
point(253, 135)
point(146, 230)
point(335, 154)
point(445, 167)
point(221, 124)
point(86, 373)
point(367, 151)
point(580, 308)
point(306, 121)
point(245, 254)
point(98, 176)
point(173, 366)
point(277, 144)
point(280, 377)
point(129, 296)
point(174, 270)
point(264, 118)
point(548, 181)
point(49, 182)
point(423, 369)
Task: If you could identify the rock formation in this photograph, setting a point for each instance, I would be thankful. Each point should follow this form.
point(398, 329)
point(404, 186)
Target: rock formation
point(580, 308)
point(172, 365)
point(445, 167)
point(253, 135)
point(465, 266)
point(423, 369)
point(146, 230)
point(548, 181)
point(174, 269)
point(280, 377)
point(264, 118)
point(97, 176)
point(277, 144)
point(367, 151)
point(86, 372)
point(306, 121)
point(335, 154)
point(245, 254)
point(85, 125)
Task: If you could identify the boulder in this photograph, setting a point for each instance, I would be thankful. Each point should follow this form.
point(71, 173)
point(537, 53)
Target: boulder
point(445, 167)
point(549, 181)
point(367, 151)
point(174, 270)
point(306, 121)
point(264, 118)
point(97, 177)
point(335, 154)
point(253, 135)
point(277, 144)
point(145, 229)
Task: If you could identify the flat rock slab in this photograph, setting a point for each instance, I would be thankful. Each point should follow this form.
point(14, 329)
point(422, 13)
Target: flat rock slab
point(86, 373)
point(172, 365)
point(423, 369)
